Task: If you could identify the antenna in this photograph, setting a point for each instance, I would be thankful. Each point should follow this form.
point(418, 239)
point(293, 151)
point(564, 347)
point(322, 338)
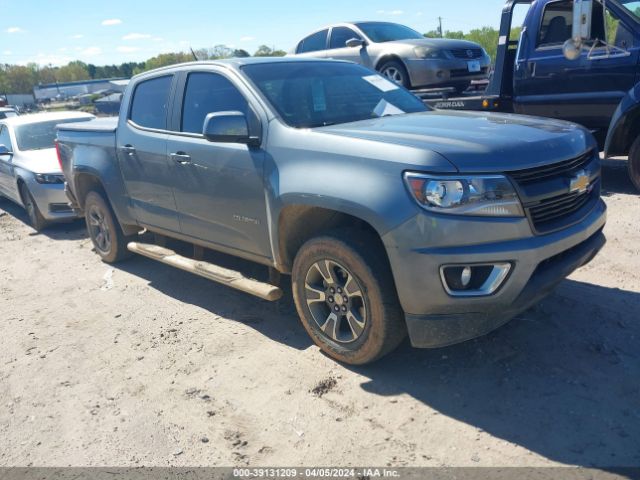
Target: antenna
point(195, 57)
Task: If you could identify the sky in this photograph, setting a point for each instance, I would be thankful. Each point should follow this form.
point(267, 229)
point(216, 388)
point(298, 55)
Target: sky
point(116, 31)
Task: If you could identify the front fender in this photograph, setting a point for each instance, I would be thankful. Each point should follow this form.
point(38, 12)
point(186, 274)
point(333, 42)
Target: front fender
point(625, 124)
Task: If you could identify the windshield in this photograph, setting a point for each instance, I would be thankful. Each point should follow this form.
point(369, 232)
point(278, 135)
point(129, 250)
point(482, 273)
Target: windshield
point(380, 32)
point(632, 5)
point(316, 94)
point(37, 136)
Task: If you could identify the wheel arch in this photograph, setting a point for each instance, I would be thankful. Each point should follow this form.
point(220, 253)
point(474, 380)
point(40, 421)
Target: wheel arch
point(298, 223)
point(625, 125)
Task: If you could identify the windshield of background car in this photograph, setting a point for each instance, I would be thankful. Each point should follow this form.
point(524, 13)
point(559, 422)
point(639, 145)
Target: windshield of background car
point(41, 135)
point(380, 32)
point(633, 6)
point(316, 94)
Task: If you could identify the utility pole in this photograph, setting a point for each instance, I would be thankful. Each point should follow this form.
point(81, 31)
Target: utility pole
point(440, 27)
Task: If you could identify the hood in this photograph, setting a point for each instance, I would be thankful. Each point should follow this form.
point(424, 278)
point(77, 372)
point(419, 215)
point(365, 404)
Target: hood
point(439, 43)
point(38, 161)
point(476, 142)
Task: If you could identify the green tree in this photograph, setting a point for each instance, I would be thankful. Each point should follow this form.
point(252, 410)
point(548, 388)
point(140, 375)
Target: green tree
point(265, 51)
point(240, 53)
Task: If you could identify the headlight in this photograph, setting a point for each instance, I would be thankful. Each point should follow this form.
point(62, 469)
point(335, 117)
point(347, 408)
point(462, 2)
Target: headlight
point(49, 179)
point(479, 195)
point(430, 53)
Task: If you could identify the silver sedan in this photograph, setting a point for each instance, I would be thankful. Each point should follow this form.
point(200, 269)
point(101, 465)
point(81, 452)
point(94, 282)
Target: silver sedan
point(401, 54)
point(30, 174)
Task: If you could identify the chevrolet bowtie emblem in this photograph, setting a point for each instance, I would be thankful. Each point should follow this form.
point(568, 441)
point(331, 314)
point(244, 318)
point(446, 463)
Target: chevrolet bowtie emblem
point(579, 183)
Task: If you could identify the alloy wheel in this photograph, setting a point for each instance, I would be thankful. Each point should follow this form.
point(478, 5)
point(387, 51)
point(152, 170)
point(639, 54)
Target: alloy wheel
point(336, 301)
point(99, 229)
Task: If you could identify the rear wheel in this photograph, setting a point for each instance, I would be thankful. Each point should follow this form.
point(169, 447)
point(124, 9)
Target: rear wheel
point(396, 72)
point(36, 219)
point(106, 234)
point(346, 297)
point(634, 163)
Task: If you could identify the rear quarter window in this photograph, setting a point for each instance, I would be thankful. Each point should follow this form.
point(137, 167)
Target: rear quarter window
point(314, 43)
point(150, 103)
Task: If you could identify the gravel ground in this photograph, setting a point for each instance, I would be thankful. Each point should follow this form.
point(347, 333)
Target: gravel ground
point(141, 364)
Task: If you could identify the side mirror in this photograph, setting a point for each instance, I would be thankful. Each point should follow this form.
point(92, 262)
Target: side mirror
point(228, 127)
point(355, 43)
point(582, 17)
point(5, 151)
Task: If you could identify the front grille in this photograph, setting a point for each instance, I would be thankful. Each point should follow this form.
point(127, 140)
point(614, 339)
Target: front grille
point(567, 167)
point(467, 53)
point(546, 192)
point(561, 206)
point(462, 72)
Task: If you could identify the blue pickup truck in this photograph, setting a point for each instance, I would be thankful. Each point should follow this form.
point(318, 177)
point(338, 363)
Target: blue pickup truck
point(390, 217)
point(599, 90)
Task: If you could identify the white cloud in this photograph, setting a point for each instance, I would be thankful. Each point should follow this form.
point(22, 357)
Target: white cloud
point(111, 21)
point(7, 52)
point(15, 30)
point(136, 36)
point(158, 39)
point(391, 12)
point(124, 49)
point(247, 39)
point(91, 51)
point(76, 37)
point(46, 59)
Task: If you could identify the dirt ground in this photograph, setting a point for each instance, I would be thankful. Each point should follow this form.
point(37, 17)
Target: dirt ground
point(141, 364)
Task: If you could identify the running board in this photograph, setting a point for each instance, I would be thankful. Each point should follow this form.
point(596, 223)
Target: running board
point(208, 270)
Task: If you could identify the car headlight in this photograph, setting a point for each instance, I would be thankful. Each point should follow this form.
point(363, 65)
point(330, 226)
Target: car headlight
point(430, 53)
point(45, 178)
point(478, 195)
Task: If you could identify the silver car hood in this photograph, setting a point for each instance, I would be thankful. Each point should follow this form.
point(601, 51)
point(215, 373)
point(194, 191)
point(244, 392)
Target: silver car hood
point(440, 43)
point(38, 161)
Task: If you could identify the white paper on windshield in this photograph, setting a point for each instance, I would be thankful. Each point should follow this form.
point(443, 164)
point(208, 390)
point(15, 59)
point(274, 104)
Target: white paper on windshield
point(385, 108)
point(380, 83)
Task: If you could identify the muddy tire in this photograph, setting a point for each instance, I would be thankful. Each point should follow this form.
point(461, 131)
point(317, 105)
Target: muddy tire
point(36, 220)
point(634, 164)
point(395, 71)
point(104, 230)
point(346, 297)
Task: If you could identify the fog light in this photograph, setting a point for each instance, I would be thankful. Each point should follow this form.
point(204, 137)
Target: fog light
point(465, 277)
point(474, 280)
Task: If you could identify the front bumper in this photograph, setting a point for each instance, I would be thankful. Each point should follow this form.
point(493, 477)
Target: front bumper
point(435, 319)
point(442, 73)
point(51, 201)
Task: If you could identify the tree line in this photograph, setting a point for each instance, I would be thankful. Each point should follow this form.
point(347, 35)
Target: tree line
point(22, 78)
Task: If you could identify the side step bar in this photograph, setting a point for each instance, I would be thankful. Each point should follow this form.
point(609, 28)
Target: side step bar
point(208, 270)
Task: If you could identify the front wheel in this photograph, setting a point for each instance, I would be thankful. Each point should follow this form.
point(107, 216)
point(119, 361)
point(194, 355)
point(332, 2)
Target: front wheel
point(346, 298)
point(396, 72)
point(36, 219)
point(106, 234)
point(634, 163)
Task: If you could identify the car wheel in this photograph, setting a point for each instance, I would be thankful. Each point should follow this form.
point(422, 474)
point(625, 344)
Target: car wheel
point(346, 297)
point(36, 219)
point(396, 72)
point(634, 163)
point(104, 230)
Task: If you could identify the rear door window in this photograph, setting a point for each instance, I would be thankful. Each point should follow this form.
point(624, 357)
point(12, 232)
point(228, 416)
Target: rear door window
point(314, 43)
point(150, 103)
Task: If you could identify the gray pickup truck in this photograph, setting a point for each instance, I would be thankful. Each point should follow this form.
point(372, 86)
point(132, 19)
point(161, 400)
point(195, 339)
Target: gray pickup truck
point(390, 217)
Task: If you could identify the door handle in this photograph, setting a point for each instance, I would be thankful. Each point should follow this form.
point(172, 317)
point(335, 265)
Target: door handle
point(181, 158)
point(129, 150)
point(532, 68)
